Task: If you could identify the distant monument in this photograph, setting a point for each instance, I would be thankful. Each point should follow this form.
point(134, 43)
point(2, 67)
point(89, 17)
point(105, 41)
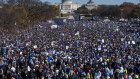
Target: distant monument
point(91, 5)
point(67, 7)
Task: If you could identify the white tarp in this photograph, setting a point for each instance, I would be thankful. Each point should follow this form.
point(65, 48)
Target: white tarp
point(35, 46)
point(106, 20)
point(133, 42)
point(49, 21)
point(54, 26)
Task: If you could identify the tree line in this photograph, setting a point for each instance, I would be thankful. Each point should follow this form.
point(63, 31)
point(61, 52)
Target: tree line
point(126, 10)
point(19, 14)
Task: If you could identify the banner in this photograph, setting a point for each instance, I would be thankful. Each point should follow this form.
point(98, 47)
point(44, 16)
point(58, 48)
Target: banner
point(67, 47)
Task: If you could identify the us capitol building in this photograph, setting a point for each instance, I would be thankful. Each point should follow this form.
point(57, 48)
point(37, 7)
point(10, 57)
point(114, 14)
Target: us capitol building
point(67, 7)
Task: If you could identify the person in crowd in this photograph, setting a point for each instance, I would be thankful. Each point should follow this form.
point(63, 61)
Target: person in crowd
point(74, 50)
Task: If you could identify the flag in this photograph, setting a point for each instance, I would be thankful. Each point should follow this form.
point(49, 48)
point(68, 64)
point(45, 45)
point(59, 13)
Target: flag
point(103, 40)
point(77, 33)
point(78, 36)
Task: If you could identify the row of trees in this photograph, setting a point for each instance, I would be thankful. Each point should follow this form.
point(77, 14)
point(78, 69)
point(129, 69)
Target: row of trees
point(13, 16)
point(25, 3)
point(125, 10)
point(19, 14)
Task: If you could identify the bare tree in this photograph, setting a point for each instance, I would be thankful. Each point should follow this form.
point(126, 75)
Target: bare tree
point(2, 2)
point(11, 2)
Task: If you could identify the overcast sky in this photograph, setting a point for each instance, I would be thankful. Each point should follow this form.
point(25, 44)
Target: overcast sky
point(112, 2)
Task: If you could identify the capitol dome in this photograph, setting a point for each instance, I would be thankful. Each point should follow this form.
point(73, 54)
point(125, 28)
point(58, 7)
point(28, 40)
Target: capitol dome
point(66, 1)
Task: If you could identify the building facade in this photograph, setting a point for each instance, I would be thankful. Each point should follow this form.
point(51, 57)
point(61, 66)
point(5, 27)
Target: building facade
point(67, 7)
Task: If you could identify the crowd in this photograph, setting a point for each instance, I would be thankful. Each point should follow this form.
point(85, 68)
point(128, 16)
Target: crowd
point(75, 50)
